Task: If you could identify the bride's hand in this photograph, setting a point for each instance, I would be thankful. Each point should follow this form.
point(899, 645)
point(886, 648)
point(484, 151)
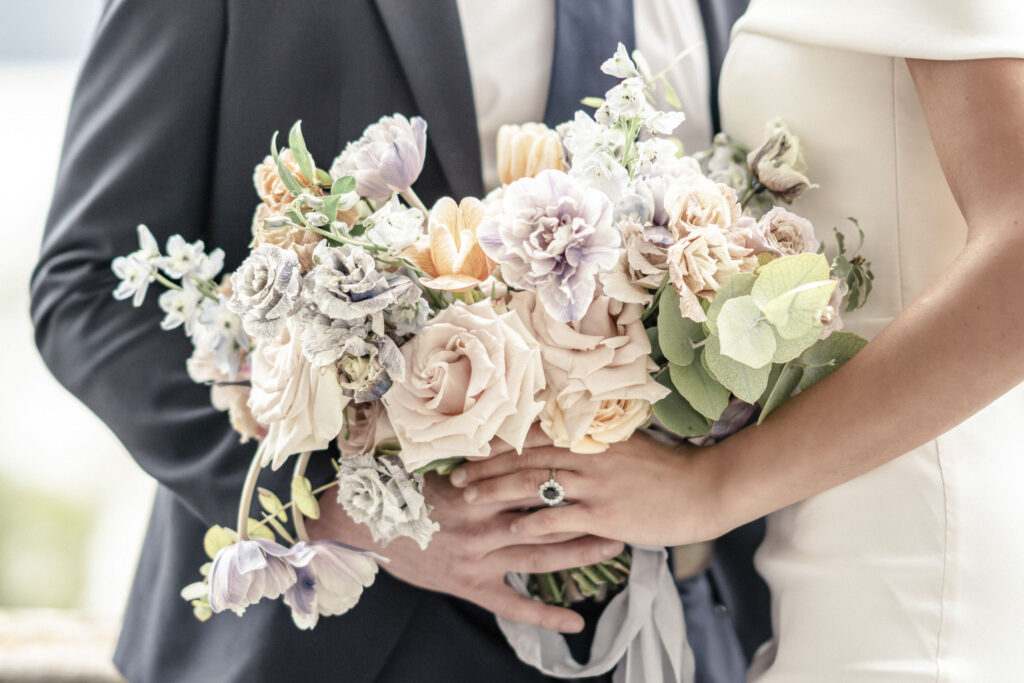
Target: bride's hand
point(639, 491)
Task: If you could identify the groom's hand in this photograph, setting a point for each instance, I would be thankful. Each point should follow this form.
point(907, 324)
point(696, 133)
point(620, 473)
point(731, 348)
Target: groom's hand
point(471, 554)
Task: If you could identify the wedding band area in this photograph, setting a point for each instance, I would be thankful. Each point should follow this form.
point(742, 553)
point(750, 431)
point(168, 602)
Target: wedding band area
point(551, 492)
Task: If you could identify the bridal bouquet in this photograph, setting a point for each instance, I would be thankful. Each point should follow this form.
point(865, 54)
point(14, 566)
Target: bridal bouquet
point(609, 285)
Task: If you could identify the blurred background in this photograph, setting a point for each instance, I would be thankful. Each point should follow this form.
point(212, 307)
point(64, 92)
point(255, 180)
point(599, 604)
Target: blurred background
point(73, 504)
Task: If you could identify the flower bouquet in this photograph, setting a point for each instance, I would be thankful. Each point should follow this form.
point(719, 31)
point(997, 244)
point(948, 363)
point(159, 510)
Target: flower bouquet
point(611, 284)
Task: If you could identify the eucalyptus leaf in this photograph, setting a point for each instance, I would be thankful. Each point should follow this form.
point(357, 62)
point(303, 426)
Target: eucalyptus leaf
point(678, 416)
point(444, 466)
point(785, 385)
point(797, 312)
point(594, 102)
point(745, 382)
point(676, 334)
point(743, 334)
point(302, 156)
point(323, 177)
point(789, 349)
point(271, 504)
point(671, 96)
point(737, 285)
point(303, 498)
point(702, 391)
point(218, 537)
point(786, 274)
point(652, 336)
point(828, 355)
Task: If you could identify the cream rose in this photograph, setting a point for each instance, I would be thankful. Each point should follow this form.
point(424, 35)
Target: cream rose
point(526, 150)
point(597, 372)
point(225, 395)
point(694, 201)
point(301, 406)
point(701, 262)
point(471, 375)
point(782, 233)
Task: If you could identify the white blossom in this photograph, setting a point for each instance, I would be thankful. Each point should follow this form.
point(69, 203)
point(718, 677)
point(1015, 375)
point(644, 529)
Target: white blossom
point(182, 258)
point(620, 65)
point(394, 227)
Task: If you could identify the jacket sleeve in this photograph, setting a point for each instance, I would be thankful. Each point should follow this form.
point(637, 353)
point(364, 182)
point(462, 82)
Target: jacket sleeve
point(139, 149)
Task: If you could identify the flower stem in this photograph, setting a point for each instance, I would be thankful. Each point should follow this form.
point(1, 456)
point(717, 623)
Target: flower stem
point(755, 188)
point(248, 488)
point(169, 284)
point(316, 492)
point(410, 196)
point(297, 518)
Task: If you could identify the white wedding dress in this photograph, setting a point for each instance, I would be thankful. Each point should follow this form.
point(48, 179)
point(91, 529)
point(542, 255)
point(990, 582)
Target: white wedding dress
point(915, 571)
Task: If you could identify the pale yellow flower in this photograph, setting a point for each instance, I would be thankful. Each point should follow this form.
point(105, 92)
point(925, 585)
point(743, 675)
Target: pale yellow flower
point(526, 150)
point(450, 254)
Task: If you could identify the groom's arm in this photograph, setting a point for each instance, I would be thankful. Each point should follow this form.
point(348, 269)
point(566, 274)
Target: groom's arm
point(139, 148)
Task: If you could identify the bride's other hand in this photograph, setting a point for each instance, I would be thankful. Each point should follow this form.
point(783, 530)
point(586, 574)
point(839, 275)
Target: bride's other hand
point(640, 491)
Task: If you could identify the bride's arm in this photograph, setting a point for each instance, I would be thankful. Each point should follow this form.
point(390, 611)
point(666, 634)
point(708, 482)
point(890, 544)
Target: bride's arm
point(954, 350)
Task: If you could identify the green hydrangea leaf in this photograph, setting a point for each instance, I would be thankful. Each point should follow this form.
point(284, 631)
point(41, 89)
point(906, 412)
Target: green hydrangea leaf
point(742, 380)
point(785, 384)
point(302, 496)
point(828, 355)
point(737, 285)
point(677, 415)
point(702, 391)
point(787, 273)
point(743, 334)
point(676, 334)
point(797, 312)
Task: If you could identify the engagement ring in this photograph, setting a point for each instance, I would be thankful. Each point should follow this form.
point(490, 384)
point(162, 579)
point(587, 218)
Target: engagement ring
point(551, 492)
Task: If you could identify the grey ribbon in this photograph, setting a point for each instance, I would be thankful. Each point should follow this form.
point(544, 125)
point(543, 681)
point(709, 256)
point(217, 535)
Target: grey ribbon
point(641, 632)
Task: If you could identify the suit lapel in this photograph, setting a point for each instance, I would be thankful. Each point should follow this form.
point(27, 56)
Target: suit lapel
point(427, 38)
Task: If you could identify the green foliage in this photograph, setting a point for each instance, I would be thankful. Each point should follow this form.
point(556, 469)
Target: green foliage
point(737, 285)
point(677, 335)
point(289, 180)
point(788, 349)
point(677, 415)
point(828, 355)
point(257, 530)
point(785, 379)
point(303, 498)
point(443, 467)
point(743, 333)
point(745, 382)
point(853, 272)
point(786, 274)
point(271, 504)
point(218, 537)
point(797, 313)
point(302, 156)
point(344, 185)
point(702, 391)
point(656, 355)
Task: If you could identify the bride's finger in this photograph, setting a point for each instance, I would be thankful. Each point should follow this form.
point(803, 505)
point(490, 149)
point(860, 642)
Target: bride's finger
point(563, 519)
point(520, 486)
point(547, 458)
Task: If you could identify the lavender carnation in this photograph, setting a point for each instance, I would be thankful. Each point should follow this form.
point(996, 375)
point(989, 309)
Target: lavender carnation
point(553, 236)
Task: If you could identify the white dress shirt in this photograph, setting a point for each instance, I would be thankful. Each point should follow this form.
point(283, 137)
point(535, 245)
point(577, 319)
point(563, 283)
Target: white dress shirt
point(510, 46)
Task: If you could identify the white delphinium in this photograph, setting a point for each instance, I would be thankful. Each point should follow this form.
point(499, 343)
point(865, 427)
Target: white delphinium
point(219, 331)
point(137, 269)
point(182, 258)
point(394, 227)
point(583, 137)
point(378, 492)
point(620, 65)
point(625, 101)
point(658, 157)
point(181, 307)
point(603, 172)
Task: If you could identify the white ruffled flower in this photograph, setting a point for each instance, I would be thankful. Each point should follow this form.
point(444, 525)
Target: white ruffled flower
point(394, 226)
point(407, 319)
point(378, 492)
point(181, 307)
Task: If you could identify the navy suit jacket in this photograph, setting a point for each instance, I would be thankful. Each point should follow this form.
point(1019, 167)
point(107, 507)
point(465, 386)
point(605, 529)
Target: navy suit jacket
point(173, 109)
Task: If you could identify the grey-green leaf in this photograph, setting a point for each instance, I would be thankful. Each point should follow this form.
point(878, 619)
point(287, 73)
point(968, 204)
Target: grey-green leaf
point(745, 382)
point(737, 285)
point(785, 385)
point(302, 156)
point(676, 334)
point(344, 185)
point(743, 334)
point(677, 415)
point(828, 355)
point(702, 391)
point(271, 504)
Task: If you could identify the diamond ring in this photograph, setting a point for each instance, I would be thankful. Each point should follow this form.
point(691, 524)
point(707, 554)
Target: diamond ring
point(551, 492)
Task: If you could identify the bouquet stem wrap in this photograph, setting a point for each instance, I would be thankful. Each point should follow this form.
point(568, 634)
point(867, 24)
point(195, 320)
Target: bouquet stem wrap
point(641, 630)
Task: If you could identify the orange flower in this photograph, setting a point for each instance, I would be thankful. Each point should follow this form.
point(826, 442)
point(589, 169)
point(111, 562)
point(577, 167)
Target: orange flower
point(450, 255)
point(526, 150)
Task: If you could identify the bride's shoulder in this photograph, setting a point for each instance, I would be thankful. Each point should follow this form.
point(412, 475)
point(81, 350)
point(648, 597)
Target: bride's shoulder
point(926, 29)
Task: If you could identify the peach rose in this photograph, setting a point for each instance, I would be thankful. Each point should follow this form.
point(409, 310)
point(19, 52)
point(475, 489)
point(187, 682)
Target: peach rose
point(471, 375)
point(597, 371)
point(694, 201)
point(367, 426)
point(302, 406)
point(782, 233)
point(701, 262)
point(450, 255)
point(526, 150)
point(269, 185)
point(302, 242)
point(614, 421)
